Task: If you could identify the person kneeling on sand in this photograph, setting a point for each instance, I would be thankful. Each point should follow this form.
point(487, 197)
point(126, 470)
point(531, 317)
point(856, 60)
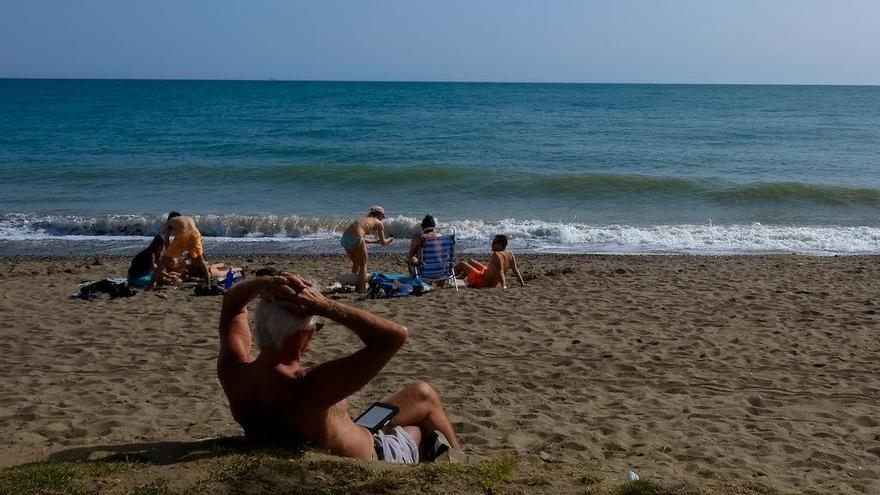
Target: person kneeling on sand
point(480, 275)
point(186, 238)
point(354, 242)
point(277, 399)
point(145, 270)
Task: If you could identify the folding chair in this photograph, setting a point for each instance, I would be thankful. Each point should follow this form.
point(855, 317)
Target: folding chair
point(436, 257)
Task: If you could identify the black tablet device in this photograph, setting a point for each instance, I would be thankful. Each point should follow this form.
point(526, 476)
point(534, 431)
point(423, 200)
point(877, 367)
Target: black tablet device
point(376, 416)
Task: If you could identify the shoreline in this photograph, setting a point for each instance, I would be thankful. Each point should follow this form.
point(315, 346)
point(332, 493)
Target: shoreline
point(396, 257)
point(700, 369)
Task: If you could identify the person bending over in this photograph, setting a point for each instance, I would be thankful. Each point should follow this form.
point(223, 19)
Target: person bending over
point(480, 275)
point(186, 238)
point(354, 242)
point(276, 398)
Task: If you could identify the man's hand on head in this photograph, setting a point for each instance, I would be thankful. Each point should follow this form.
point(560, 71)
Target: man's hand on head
point(306, 302)
point(296, 295)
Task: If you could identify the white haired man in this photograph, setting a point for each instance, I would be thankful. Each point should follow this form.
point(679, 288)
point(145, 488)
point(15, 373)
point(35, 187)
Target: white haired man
point(277, 399)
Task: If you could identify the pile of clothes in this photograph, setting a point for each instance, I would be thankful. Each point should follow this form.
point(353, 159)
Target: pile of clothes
point(109, 288)
point(384, 285)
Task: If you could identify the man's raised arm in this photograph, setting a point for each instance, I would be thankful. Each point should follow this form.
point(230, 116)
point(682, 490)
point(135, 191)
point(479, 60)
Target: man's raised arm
point(335, 380)
point(235, 334)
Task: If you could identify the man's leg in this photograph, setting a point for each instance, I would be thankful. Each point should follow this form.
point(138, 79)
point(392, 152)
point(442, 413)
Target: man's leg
point(462, 269)
point(421, 406)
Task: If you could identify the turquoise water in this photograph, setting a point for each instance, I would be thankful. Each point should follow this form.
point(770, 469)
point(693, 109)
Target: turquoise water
point(562, 167)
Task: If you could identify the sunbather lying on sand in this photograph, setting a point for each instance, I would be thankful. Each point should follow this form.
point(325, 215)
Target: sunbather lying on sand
point(184, 269)
point(277, 399)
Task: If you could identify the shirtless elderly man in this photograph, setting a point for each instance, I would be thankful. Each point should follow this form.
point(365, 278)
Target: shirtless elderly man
point(277, 399)
point(480, 275)
point(187, 238)
point(354, 242)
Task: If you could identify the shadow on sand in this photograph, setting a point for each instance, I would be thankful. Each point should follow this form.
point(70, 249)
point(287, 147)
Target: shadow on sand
point(155, 452)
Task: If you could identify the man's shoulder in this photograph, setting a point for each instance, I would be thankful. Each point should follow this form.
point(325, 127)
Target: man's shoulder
point(504, 256)
point(250, 376)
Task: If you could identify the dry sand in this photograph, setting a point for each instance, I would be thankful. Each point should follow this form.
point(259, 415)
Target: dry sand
point(705, 370)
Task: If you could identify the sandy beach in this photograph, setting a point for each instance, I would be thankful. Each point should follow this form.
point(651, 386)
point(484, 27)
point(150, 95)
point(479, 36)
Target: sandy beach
point(709, 371)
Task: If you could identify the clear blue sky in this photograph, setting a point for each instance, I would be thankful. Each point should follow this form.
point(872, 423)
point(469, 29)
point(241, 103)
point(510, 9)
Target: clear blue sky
point(702, 41)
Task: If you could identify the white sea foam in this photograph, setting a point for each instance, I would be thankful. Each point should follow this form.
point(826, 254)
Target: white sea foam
point(286, 233)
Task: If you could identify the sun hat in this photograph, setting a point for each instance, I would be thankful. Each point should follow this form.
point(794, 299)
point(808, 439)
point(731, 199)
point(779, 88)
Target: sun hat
point(377, 209)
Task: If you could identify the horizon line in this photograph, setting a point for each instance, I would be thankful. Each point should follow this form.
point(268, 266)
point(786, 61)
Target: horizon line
point(429, 81)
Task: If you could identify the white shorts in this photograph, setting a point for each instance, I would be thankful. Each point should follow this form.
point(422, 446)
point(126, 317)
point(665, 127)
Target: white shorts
point(397, 447)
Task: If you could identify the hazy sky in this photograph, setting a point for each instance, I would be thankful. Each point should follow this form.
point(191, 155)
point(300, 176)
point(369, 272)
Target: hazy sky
point(703, 41)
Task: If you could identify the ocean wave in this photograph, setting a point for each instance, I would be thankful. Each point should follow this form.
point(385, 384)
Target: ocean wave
point(488, 181)
point(442, 180)
point(778, 192)
point(230, 225)
point(472, 234)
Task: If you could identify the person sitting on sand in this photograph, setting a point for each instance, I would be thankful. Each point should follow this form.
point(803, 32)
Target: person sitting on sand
point(145, 270)
point(429, 224)
point(186, 238)
point(276, 398)
point(480, 275)
point(354, 242)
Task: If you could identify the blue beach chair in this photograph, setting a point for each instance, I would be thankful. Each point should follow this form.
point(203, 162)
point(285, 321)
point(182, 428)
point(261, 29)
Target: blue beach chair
point(436, 257)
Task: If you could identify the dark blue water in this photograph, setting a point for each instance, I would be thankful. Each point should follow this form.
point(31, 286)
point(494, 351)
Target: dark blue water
point(106, 157)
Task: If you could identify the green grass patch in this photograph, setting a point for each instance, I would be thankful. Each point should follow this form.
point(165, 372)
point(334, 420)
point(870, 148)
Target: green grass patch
point(590, 479)
point(159, 487)
point(236, 467)
point(492, 475)
point(331, 476)
point(62, 477)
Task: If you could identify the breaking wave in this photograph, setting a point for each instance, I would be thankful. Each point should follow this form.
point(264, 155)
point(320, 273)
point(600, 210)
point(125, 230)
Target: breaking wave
point(528, 235)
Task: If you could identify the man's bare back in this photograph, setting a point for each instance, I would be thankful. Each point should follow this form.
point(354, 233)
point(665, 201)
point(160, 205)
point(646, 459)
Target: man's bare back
point(269, 416)
point(499, 265)
point(276, 399)
point(180, 225)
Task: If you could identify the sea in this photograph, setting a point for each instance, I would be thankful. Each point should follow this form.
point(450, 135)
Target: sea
point(93, 166)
